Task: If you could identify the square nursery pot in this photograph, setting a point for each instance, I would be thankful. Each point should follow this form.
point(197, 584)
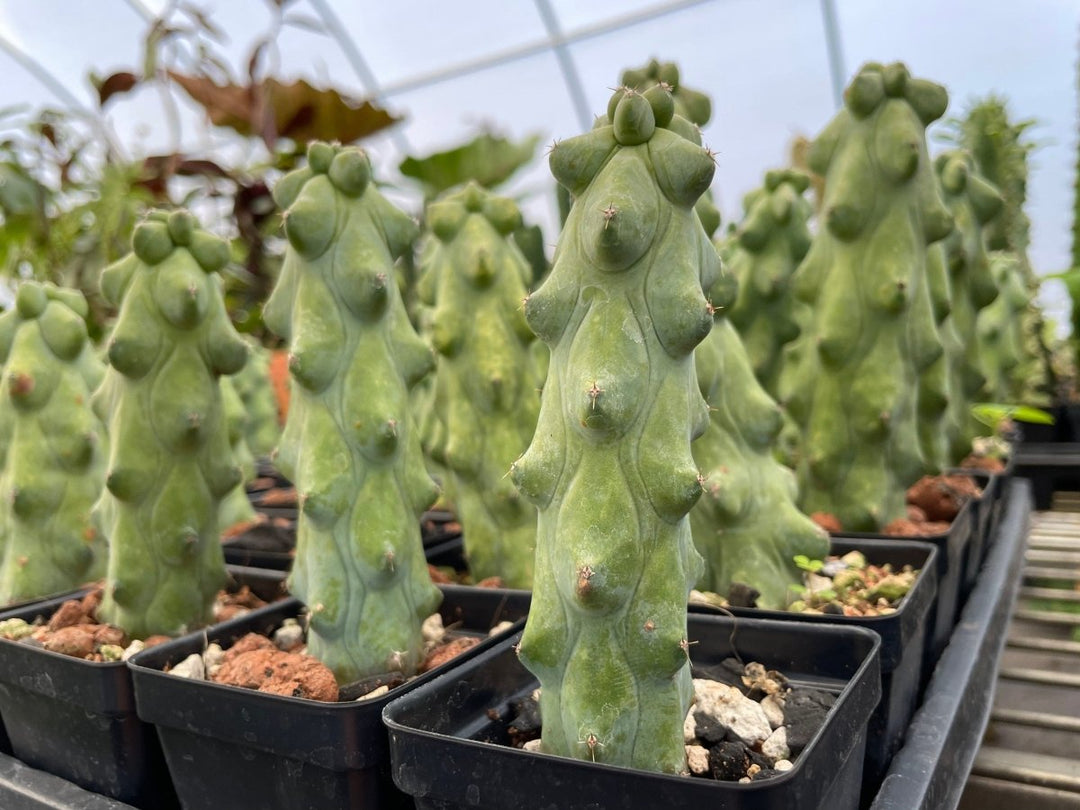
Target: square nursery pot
point(26, 788)
point(76, 719)
point(929, 771)
point(448, 738)
point(230, 748)
point(954, 559)
point(903, 639)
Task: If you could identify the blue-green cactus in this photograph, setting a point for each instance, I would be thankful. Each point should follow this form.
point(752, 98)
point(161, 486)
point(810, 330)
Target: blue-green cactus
point(486, 396)
point(169, 462)
point(350, 445)
point(610, 467)
point(261, 426)
point(770, 242)
point(236, 507)
point(54, 459)
point(862, 383)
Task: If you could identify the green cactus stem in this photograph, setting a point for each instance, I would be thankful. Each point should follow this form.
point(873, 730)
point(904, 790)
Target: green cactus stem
point(236, 507)
point(349, 443)
point(1010, 364)
point(860, 389)
point(261, 427)
point(771, 241)
point(746, 524)
point(486, 395)
point(169, 463)
point(970, 288)
point(610, 467)
point(54, 469)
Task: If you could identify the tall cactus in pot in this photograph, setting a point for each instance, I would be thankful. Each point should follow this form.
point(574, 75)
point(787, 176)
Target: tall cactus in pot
point(349, 443)
point(169, 463)
point(610, 467)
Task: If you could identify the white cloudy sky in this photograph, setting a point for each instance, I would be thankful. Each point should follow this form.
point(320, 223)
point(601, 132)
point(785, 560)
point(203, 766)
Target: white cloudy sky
point(763, 62)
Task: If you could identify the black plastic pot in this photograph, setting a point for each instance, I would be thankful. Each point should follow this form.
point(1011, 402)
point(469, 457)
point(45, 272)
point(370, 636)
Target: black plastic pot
point(26, 788)
point(447, 737)
point(952, 548)
point(263, 546)
point(903, 639)
point(76, 719)
point(233, 748)
point(929, 771)
point(981, 518)
point(1049, 467)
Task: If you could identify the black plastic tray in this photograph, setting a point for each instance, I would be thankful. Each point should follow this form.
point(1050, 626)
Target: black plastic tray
point(438, 756)
point(929, 771)
point(233, 748)
point(1049, 467)
point(903, 638)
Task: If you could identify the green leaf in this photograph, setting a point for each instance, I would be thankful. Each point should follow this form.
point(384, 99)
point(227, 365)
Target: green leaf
point(488, 159)
point(993, 414)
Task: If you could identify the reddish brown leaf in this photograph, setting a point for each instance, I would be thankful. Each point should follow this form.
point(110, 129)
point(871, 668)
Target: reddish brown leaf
point(226, 106)
point(116, 84)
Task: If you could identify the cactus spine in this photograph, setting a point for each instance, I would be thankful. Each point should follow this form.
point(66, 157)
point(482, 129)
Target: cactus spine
point(856, 393)
point(169, 463)
point(55, 468)
point(349, 444)
point(486, 386)
point(610, 466)
point(771, 241)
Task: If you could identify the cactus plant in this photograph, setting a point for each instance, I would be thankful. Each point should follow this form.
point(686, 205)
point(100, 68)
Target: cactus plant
point(486, 386)
point(349, 444)
point(169, 463)
point(856, 393)
point(1010, 366)
point(261, 427)
point(771, 241)
point(610, 467)
point(55, 469)
point(969, 288)
point(235, 507)
point(746, 524)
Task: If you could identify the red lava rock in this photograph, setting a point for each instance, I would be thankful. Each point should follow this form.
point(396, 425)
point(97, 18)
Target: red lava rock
point(91, 601)
point(915, 514)
point(942, 496)
point(907, 528)
point(108, 634)
point(70, 613)
point(490, 582)
point(987, 463)
point(252, 641)
point(259, 484)
point(153, 641)
point(445, 652)
point(279, 673)
point(76, 640)
point(282, 496)
point(827, 521)
point(438, 576)
point(243, 527)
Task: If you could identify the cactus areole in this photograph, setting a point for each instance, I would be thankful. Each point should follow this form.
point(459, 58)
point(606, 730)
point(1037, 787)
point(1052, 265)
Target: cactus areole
point(349, 444)
point(54, 470)
point(169, 463)
point(486, 403)
point(859, 390)
point(609, 466)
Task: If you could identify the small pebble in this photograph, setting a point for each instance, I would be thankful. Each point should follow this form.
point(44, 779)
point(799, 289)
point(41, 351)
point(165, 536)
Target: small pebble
point(432, 629)
point(743, 718)
point(15, 629)
point(773, 706)
point(374, 693)
point(697, 758)
point(190, 667)
point(782, 765)
point(776, 747)
point(288, 635)
point(137, 646)
point(532, 745)
point(111, 652)
point(501, 627)
point(213, 657)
